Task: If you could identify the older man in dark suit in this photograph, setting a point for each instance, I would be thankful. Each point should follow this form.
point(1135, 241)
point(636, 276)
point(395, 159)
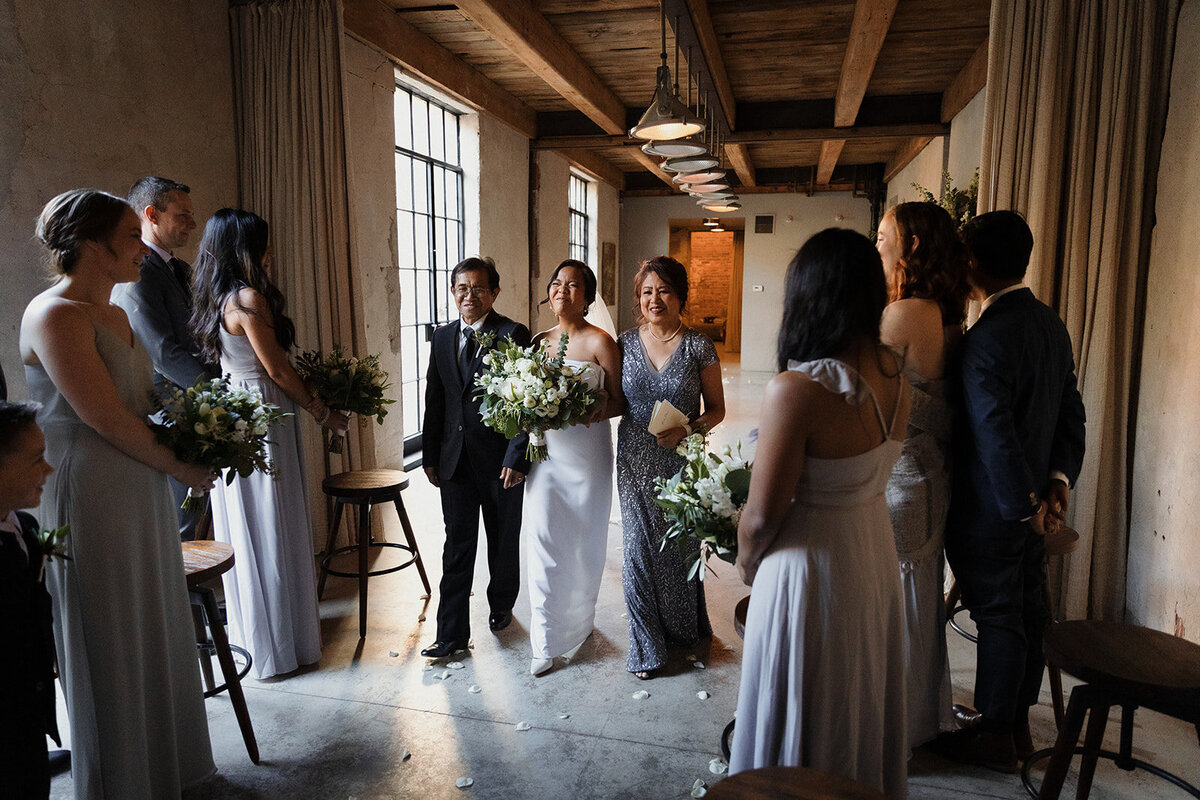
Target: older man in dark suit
point(1018, 450)
point(475, 467)
point(159, 304)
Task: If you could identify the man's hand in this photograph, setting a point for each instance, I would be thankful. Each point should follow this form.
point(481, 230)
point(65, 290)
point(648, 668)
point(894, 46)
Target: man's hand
point(511, 477)
point(1038, 520)
point(431, 473)
point(1058, 499)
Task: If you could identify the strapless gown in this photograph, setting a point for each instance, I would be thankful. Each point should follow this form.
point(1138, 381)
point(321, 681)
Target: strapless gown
point(568, 498)
point(823, 682)
point(271, 592)
point(122, 621)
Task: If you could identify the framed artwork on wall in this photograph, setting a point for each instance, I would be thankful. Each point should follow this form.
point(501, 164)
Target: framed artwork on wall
point(608, 272)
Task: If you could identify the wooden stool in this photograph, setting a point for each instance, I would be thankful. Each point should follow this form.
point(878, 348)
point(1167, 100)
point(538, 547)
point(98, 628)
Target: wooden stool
point(739, 626)
point(1122, 665)
point(202, 562)
point(790, 783)
point(365, 488)
point(1057, 544)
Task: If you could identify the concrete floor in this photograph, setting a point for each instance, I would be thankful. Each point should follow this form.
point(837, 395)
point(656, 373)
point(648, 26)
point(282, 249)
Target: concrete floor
point(341, 730)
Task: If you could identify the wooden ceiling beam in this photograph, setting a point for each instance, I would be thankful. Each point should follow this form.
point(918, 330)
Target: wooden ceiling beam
point(378, 25)
point(597, 166)
point(966, 84)
point(903, 131)
point(651, 165)
point(872, 18)
point(831, 149)
point(714, 63)
point(904, 156)
point(761, 189)
point(522, 29)
point(739, 157)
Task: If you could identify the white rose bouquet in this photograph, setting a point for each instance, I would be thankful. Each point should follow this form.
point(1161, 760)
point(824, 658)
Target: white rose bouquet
point(527, 389)
point(703, 502)
point(354, 385)
point(217, 426)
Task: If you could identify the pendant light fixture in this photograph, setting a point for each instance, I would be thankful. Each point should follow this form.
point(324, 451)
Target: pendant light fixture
point(711, 222)
point(724, 207)
point(667, 118)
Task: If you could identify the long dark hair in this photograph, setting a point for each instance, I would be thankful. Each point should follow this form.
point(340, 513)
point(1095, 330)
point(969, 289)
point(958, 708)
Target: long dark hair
point(231, 258)
point(937, 269)
point(835, 293)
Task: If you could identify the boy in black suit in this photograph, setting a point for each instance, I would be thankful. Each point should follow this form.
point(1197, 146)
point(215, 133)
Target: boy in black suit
point(1018, 450)
point(26, 639)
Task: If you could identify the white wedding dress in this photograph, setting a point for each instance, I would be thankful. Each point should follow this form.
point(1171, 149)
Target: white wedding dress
point(568, 498)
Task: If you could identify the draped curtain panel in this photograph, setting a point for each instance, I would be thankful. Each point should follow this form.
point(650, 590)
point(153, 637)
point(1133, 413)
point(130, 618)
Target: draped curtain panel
point(1076, 104)
point(287, 67)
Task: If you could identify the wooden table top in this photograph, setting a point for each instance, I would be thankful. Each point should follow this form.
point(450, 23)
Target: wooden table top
point(365, 482)
point(205, 560)
point(790, 783)
point(1126, 657)
point(739, 616)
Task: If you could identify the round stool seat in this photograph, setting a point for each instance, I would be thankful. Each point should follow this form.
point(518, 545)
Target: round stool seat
point(1131, 659)
point(203, 561)
point(364, 483)
point(790, 783)
point(1063, 541)
point(739, 616)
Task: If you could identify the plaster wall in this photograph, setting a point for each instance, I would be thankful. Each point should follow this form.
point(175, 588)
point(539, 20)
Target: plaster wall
point(500, 187)
point(88, 103)
point(1162, 591)
point(960, 154)
point(644, 233)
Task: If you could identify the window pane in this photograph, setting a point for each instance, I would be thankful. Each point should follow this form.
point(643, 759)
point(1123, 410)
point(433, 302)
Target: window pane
point(407, 294)
point(409, 404)
point(421, 242)
point(403, 116)
point(421, 187)
point(437, 136)
point(404, 238)
point(420, 125)
point(403, 181)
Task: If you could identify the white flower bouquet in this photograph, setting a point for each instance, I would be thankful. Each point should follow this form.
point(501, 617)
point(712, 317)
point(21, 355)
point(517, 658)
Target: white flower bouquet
point(354, 385)
point(703, 502)
point(217, 426)
point(527, 389)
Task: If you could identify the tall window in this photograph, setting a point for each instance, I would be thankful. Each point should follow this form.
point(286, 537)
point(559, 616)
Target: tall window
point(577, 202)
point(429, 225)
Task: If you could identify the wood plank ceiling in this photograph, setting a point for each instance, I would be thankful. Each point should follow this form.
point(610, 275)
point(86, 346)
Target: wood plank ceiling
point(813, 95)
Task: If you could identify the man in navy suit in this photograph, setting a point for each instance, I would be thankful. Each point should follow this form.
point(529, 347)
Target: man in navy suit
point(159, 304)
point(475, 467)
point(1018, 449)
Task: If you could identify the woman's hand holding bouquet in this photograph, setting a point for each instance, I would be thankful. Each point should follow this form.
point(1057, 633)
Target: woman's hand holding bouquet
point(346, 384)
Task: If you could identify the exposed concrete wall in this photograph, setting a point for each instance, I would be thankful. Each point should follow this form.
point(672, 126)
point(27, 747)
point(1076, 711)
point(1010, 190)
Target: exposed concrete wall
point(553, 231)
point(1162, 591)
point(959, 154)
point(500, 187)
point(644, 232)
point(100, 94)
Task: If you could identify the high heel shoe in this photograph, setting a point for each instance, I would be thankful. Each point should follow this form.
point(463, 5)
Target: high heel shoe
point(540, 666)
point(569, 656)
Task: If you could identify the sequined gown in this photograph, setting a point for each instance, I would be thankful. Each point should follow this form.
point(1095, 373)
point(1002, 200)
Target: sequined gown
point(122, 621)
point(665, 609)
point(823, 661)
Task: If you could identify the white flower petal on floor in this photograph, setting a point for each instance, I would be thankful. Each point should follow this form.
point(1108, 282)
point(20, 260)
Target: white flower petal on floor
point(474, 689)
point(455, 665)
point(427, 668)
point(523, 726)
point(464, 783)
point(699, 665)
point(641, 694)
point(717, 766)
point(703, 695)
point(564, 716)
point(699, 788)
point(442, 676)
point(405, 755)
point(392, 654)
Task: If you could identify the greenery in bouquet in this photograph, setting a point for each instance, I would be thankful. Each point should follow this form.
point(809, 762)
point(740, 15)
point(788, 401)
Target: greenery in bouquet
point(53, 542)
point(218, 426)
point(526, 389)
point(960, 204)
point(703, 502)
point(346, 383)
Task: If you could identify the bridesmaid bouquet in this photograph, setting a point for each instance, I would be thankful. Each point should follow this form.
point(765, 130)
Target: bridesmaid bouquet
point(527, 389)
point(355, 385)
point(217, 426)
point(703, 502)
point(54, 546)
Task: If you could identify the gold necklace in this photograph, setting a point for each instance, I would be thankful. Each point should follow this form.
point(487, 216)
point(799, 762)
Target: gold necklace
point(650, 330)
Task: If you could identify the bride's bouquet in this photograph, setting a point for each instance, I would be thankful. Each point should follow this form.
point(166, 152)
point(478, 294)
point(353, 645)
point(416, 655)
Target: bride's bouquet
point(354, 385)
point(703, 502)
point(217, 426)
point(527, 389)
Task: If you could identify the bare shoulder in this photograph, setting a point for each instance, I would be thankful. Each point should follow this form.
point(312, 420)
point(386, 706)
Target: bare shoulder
point(541, 336)
point(792, 389)
point(250, 298)
point(913, 311)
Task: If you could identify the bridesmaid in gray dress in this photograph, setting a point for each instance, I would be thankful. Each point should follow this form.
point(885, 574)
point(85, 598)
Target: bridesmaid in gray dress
point(661, 359)
point(927, 288)
point(122, 623)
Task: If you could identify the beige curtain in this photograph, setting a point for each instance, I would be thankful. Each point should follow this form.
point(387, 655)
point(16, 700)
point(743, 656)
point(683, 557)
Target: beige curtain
point(1076, 103)
point(287, 66)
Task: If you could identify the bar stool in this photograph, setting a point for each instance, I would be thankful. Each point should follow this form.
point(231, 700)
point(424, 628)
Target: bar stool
point(365, 488)
point(790, 783)
point(1060, 543)
point(739, 627)
point(202, 562)
point(1122, 665)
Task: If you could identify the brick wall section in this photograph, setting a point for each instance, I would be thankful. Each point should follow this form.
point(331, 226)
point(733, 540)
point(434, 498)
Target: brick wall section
point(709, 275)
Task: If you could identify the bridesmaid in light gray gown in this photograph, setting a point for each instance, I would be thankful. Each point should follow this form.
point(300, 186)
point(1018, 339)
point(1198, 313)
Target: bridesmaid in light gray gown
point(122, 623)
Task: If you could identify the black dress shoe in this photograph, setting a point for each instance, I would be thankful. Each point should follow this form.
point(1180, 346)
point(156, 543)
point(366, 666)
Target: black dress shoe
point(443, 649)
point(981, 748)
point(965, 716)
point(1023, 740)
point(499, 620)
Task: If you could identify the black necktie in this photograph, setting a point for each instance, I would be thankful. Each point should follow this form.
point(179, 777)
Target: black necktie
point(183, 275)
point(467, 354)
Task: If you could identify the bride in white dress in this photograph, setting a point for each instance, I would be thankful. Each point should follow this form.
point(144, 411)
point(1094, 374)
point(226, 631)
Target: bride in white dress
point(568, 497)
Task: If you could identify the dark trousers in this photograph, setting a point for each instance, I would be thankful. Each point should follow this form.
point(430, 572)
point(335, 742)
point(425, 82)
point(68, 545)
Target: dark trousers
point(468, 492)
point(1002, 575)
point(24, 759)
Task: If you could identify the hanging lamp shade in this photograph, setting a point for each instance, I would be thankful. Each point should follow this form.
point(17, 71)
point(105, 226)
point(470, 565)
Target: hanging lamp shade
point(708, 197)
point(706, 188)
point(691, 163)
point(689, 146)
point(711, 222)
point(717, 229)
point(724, 207)
point(700, 177)
point(667, 118)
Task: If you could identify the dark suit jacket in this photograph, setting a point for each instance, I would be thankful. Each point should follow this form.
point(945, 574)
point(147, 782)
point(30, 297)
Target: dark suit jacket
point(159, 306)
point(26, 637)
point(1022, 413)
point(452, 428)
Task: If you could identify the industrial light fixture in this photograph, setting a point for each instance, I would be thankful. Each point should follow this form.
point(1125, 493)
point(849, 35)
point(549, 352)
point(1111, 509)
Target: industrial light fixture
point(667, 118)
point(690, 163)
point(711, 222)
point(717, 229)
point(700, 176)
point(707, 188)
point(725, 207)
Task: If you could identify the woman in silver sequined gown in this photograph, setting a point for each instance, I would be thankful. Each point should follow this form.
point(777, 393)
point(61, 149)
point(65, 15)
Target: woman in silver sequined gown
point(661, 360)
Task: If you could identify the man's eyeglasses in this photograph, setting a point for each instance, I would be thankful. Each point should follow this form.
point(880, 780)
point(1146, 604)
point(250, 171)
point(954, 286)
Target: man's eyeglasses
point(476, 291)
